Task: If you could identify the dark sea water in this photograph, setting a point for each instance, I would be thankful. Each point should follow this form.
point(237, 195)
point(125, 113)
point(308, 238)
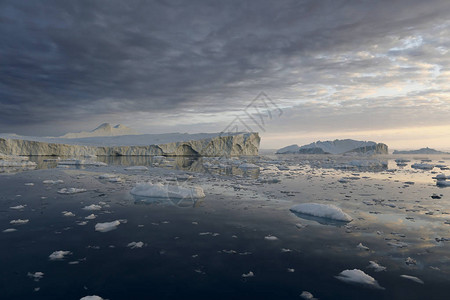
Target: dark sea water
point(199, 249)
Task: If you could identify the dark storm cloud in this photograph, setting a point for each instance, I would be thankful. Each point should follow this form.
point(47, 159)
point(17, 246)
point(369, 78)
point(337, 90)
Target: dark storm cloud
point(63, 60)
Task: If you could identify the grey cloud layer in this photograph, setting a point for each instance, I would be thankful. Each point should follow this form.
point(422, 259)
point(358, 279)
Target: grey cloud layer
point(69, 60)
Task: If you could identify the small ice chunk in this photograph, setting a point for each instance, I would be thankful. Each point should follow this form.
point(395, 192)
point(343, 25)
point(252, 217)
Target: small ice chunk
point(357, 276)
point(19, 222)
point(271, 238)
point(107, 176)
point(90, 217)
point(410, 261)
point(328, 211)
point(68, 191)
point(413, 278)
point(93, 297)
point(246, 166)
point(29, 184)
point(107, 226)
point(18, 207)
point(249, 274)
point(92, 207)
point(81, 162)
point(159, 190)
point(442, 183)
point(422, 166)
point(137, 168)
point(9, 230)
point(59, 255)
point(134, 245)
point(36, 275)
point(360, 246)
point(307, 295)
point(52, 181)
point(375, 266)
point(68, 214)
point(290, 270)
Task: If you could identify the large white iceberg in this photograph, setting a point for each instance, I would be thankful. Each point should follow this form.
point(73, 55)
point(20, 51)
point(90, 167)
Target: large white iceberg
point(107, 226)
point(357, 276)
point(328, 211)
point(159, 190)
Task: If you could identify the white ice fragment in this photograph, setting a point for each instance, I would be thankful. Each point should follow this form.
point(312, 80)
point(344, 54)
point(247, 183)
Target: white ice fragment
point(328, 211)
point(90, 217)
point(248, 166)
point(271, 238)
point(360, 246)
point(92, 207)
point(107, 226)
point(290, 270)
point(413, 278)
point(137, 168)
point(36, 275)
point(134, 245)
point(357, 276)
point(68, 191)
point(375, 266)
point(59, 255)
point(18, 207)
point(307, 295)
point(159, 190)
point(9, 230)
point(93, 297)
point(107, 176)
point(52, 181)
point(68, 214)
point(29, 184)
point(249, 274)
point(19, 222)
point(442, 183)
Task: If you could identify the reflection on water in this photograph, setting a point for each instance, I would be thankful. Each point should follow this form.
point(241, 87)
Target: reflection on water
point(179, 202)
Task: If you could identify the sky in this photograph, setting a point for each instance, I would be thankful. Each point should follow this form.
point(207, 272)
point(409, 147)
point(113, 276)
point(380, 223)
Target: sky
point(295, 71)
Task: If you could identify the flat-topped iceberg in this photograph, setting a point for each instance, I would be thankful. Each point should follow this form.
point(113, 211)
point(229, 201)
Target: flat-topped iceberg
point(159, 190)
point(327, 211)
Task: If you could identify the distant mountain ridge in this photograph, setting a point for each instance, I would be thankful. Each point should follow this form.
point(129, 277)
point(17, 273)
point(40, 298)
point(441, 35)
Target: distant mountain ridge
point(337, 147)
point(420, 151)
point(104, 129)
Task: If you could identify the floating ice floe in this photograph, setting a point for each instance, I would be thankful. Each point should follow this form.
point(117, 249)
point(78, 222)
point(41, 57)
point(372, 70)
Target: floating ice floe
point(49, 181)
point(413, 278)
point(18, 207)
point(90, 217)
point(29, 184)
point(422, 166)
point(59, 255)
point(68, 191)
point(93, 297)
point(134, 245)
point(249, 274)
point(9, 230)
point(327, 211)
point(271, 238)
point(248, 166)
point(107, 226)
point(137, 168)
point(375, 266)
point(68, 214)
point(19, 222)
point(360, 246)
point(36, 275)
point(15, 161)
point(92, 207)
point(307, 295)
point(441, 177)
point(159, 190)
point(357, 276)
point(81, 162)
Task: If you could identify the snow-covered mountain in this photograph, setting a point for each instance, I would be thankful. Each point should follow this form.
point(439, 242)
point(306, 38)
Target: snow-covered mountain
point(104, 129)
point(336, 147)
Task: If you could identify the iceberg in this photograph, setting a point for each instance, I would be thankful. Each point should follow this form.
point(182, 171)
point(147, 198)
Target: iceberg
point(159, 190)
point(107, 226)
point(357, 276)
point(59, 255)
point(69, 191)
point(413, 278)
point(327, 211)
point(337, 147)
